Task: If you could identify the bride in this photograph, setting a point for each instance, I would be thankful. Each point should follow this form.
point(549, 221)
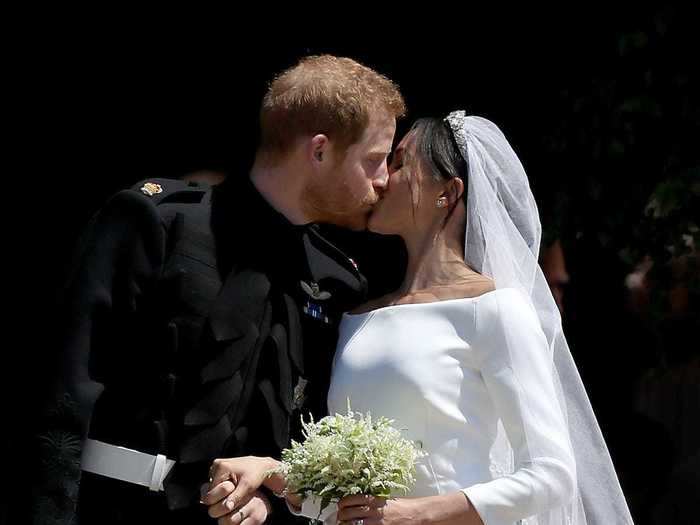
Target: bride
point(468, 355)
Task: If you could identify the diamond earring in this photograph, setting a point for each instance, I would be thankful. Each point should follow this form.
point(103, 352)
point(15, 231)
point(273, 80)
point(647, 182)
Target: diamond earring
point(441, 202)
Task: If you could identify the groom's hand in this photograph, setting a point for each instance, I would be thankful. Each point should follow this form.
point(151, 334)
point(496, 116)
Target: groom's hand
point(236, 479)
point(254, 509)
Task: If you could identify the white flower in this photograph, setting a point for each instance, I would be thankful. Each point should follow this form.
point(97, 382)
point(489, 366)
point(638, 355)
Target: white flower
point(349, 454)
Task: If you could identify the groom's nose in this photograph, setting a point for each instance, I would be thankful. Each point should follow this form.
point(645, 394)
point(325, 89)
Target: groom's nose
point(381, 182)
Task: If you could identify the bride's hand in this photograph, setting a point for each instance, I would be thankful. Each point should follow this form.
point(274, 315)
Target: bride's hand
point(372, 510)
point(447, 509)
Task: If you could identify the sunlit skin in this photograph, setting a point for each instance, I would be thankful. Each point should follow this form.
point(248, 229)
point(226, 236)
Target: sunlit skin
point(434, 236)
point(318, 181)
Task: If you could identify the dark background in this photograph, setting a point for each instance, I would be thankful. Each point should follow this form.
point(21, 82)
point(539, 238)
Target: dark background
point(602, 108)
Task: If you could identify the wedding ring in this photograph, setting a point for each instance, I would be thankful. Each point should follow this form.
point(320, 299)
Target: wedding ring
point(358, 522)
point(243, 516)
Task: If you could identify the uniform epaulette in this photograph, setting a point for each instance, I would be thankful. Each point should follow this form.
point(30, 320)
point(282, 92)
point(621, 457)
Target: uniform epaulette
point(171, 190)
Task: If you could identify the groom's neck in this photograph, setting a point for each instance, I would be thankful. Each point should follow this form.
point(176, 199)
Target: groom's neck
point(281, 188)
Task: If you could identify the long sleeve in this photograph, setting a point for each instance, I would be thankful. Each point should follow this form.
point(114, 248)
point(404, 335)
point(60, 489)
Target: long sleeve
point(519, 375)
point(118, 259)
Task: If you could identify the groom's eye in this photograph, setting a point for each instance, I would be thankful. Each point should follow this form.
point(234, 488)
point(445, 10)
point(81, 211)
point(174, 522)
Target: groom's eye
point(377, 159)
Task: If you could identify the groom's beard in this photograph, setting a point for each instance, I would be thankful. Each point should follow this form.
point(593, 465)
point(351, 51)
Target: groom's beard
point(335, 204)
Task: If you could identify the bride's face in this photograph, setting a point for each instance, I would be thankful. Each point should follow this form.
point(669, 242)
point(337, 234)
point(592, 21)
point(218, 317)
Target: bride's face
point(409, 199)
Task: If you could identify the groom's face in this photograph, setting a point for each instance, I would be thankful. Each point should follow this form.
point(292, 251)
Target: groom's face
point(354, 179)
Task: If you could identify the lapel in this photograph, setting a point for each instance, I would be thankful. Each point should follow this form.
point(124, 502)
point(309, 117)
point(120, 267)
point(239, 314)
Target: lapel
point(326, 262)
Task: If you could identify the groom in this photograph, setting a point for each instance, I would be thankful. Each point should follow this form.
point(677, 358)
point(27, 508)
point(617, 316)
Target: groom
point(200, 321)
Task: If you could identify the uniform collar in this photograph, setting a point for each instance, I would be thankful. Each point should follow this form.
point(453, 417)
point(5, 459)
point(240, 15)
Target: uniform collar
point(269, 241)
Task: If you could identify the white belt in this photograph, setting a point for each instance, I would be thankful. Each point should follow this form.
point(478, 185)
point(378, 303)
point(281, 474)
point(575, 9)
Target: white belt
point(125, 464)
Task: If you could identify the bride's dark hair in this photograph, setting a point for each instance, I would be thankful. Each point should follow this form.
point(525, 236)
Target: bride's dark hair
point(438, 152)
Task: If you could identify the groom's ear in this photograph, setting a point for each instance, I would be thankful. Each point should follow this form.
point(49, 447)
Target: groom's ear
point(318, 147)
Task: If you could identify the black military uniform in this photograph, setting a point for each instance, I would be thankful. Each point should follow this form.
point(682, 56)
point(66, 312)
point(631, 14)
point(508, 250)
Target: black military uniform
point(199, 323)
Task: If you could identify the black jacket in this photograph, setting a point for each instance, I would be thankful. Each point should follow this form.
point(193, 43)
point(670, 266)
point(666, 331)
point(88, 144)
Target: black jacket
point(187, 331)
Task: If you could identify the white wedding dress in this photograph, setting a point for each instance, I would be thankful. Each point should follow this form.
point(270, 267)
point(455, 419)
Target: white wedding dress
point(486, 385)
point(444, 373)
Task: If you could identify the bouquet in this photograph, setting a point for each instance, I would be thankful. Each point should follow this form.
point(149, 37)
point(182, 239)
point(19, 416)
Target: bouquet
point(349, 454)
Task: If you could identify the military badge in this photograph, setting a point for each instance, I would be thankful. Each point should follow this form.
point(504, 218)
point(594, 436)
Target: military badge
point(151, 189)
point(313, 308)
point(312, 289)
point(316, 311)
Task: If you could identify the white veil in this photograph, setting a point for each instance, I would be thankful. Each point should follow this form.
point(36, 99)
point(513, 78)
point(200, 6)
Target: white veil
point(502, 241)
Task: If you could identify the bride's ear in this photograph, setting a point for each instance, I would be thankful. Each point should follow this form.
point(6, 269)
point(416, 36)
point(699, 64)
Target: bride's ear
point(454, 189)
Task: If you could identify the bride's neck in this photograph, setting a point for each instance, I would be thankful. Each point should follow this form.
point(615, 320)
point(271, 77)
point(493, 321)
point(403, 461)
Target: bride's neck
point(435, 258)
